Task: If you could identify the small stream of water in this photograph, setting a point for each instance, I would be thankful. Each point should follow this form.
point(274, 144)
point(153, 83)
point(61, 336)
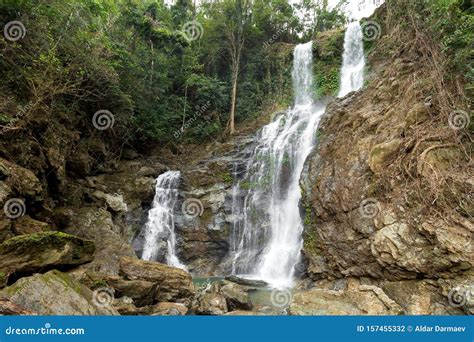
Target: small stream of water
point(160, 224)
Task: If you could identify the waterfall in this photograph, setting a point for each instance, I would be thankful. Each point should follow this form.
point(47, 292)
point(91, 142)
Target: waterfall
point(267, 240)
point(160, 224)
point(352, 70)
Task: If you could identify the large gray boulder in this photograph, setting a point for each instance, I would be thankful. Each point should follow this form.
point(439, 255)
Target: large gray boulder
point(55, 293)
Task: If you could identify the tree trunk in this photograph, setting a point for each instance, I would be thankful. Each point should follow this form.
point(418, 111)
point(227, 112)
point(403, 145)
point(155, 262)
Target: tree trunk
point(235, 74)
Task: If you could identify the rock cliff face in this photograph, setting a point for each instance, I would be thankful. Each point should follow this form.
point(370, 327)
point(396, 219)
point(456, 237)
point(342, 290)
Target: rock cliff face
point(387, 191)
point(204, 238)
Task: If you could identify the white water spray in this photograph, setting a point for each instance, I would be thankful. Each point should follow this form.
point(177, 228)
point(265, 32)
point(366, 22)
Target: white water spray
point(269, 238)
point(352, 70)
point(160, 223)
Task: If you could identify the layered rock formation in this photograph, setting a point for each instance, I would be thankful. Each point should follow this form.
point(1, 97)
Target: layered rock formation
point(387, 189)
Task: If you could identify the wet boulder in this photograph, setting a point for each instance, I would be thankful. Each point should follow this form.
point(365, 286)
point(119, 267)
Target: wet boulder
point(211, 303)
point(236, 296)
point(173, 284)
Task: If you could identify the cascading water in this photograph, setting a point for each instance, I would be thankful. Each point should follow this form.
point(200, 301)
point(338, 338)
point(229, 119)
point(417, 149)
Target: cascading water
point(267, 240)
point(160, 224)
point(352, 70)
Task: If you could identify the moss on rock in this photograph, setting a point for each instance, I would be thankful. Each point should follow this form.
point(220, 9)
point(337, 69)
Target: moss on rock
point(26, 254)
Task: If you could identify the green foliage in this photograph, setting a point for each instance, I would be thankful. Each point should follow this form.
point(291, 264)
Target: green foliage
point(327, 64)
point(327, 80)
point(449, 24)
point(455, 32)
point(319, 17)
point(133, 58)
point(227, 178)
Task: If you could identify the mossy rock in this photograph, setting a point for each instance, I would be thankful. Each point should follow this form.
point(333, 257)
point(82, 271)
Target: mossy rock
point(39, 252)
point(382, 154)
point(56, 293)
point(417, 114)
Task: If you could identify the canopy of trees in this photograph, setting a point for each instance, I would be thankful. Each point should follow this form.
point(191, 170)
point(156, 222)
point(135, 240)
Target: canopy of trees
point(154, 66)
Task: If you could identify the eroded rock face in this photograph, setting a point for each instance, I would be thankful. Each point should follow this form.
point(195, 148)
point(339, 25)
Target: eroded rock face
point(326, 302)
point(8, 308)
point(23, 181)
point(141, 292)
point(54, 293)
point(203, 211)
point(236, 296)
point(26, 254)
point(173, 283)
point(364, 215)
point(356, 299)
point(166, 309)
point(96, 224)
point(211, 303)
point(387, 195)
